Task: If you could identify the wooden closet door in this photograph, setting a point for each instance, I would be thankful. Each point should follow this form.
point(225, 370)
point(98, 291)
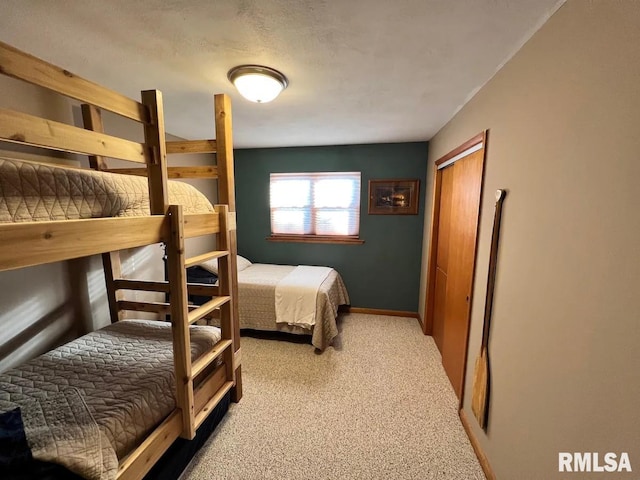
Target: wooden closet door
point(462, 233)
point(442, 256)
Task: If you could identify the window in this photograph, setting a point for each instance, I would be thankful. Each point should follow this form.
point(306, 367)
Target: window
point(315, 205)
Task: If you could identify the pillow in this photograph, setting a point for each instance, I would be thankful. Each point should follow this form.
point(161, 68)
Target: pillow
point(243, 263)
point(212, 265)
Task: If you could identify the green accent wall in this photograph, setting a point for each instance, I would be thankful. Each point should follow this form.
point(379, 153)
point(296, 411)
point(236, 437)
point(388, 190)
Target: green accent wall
point(382, 273)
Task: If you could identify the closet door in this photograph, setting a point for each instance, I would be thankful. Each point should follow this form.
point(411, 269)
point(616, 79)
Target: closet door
point(452, 257)
point(442, 256)
point(462, 233)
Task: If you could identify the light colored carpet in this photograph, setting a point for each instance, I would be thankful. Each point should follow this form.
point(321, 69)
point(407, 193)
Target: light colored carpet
point(379, 406)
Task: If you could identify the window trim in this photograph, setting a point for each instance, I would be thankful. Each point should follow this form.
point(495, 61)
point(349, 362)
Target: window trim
point(336, 239)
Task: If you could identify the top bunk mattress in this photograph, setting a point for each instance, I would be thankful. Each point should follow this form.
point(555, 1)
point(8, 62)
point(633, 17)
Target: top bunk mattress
point(31, 192)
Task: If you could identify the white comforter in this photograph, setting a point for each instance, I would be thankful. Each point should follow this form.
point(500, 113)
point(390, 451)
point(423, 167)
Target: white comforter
point(296, 295)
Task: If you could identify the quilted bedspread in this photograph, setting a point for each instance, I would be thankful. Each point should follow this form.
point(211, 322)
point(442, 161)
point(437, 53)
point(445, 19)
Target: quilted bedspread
point(122, 374)
point(31, 191)
point(256, 302)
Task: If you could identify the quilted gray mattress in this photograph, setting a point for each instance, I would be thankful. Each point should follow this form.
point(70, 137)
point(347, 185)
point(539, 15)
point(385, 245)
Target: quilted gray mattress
point(31, 191)
point(123, 373)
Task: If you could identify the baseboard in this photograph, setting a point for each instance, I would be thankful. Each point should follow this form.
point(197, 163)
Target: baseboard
point(378, 311)
point(482, 458)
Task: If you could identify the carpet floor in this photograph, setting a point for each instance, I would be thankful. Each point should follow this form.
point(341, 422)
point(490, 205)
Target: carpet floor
point(377, 406)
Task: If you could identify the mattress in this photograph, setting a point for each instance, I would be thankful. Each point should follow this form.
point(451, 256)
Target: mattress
point(122, 374)
point(256, 302)
point(31, 191)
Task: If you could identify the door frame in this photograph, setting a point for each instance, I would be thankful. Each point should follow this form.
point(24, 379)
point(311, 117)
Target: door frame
point(478, 142)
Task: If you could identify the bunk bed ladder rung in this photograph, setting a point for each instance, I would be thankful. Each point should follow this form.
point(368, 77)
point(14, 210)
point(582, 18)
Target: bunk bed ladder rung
point(207, 308)
point(206, 359)
point(202, 415)
point(189, 262)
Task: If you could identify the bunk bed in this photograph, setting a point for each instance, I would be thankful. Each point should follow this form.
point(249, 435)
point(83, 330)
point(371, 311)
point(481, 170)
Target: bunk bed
point(109, 404)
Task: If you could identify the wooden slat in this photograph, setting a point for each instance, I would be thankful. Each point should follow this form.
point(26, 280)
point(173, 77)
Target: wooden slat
point(227, 195)
point(205, 360)
point(155, 307)
point(208, 388)
point(237, 358)
point(23, 66)
point(136, 465)
point(201, 289)
point(150, 307)
point(154, 137)
point(201, 224)
point(17, 127)
point(145, 286)
point(177, 276)
point(32, 243)
point(189, 262)
point(192, 146)
point(112, 267)
point(92, 120)
point(224, 156)
point(224, 281)
point(207, 308)
point(205, 171)
point(211, 404)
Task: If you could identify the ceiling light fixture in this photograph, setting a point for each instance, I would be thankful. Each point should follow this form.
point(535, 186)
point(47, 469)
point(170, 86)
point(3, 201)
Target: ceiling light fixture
point(257, 83)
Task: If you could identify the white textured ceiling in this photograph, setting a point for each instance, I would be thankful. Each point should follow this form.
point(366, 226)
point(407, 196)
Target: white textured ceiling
point(360, 71)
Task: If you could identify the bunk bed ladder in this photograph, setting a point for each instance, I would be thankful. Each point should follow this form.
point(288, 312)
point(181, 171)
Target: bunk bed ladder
point(181, 318)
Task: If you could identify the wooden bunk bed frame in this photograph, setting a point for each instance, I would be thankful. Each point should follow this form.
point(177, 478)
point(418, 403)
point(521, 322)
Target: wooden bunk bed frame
point(32, 243)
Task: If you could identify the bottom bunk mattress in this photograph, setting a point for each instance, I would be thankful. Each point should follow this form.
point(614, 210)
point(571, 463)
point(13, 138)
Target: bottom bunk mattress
point(257, 285)
point(88, 403)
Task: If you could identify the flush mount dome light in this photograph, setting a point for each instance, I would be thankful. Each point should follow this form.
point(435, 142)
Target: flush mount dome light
point(257, 83)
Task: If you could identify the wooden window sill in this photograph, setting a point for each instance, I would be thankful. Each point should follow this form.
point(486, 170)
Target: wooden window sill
point(315, 239)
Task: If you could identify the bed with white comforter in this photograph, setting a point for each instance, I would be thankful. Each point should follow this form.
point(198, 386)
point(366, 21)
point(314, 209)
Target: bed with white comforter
point(257, 298)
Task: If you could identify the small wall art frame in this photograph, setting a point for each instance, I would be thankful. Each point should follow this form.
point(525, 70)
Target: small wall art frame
point(394, 197)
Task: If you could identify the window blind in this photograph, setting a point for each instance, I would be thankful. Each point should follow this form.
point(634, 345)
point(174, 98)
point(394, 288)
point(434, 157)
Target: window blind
point(326, 203)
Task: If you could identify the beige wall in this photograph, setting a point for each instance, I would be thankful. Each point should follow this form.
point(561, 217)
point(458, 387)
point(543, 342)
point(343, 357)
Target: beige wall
point(563, 116)
point(44, 306)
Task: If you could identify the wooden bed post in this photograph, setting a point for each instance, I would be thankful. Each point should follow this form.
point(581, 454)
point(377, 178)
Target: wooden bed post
point(154, 138)
point(180, 322)
point(224, 289)
point(227, 195)
point(111, 263)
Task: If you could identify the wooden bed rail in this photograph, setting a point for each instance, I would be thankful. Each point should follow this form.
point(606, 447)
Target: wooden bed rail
point(32, 243)
point(17, 64)
point(16, 127)
point(203, 171)
point(192, 146)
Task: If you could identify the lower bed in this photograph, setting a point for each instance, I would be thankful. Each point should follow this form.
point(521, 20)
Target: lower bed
point(87, 404)
point(256, 293)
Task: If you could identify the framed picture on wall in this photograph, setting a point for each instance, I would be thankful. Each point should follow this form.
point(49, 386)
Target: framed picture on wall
point(394, 197)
